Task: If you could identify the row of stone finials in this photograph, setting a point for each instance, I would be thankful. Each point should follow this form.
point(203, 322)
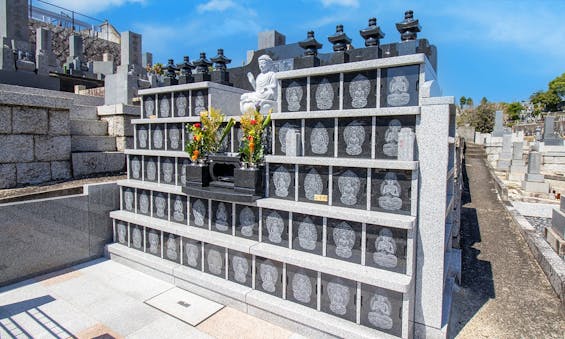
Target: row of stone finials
point(379, 308)
point(408, 29)
point(344, 238)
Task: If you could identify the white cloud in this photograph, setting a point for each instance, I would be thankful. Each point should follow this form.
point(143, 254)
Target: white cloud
point(344, 3)
point(89, 6)
point(216, 5)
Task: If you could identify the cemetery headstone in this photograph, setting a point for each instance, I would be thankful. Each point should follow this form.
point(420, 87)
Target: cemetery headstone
point(550, 137)
point(534, 180)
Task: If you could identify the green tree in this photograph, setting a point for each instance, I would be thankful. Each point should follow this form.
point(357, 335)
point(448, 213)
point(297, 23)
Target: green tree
point(462, 101)
point(557, 85)
point(483, 119)
point(469, 102)
point(545, 101)
point(513, 110)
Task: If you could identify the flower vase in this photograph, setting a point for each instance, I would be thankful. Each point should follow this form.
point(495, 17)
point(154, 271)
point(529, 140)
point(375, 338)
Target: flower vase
point(250, 180)
point(198, 174)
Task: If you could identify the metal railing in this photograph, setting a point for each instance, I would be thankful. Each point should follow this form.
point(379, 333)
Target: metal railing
point(44, 11)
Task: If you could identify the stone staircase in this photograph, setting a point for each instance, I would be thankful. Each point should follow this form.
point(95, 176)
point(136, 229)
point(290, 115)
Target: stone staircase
point(474, 151)
point(94, 150)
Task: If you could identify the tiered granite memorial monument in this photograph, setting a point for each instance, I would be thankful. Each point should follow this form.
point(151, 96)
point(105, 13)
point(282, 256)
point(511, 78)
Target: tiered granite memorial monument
point(351, 236)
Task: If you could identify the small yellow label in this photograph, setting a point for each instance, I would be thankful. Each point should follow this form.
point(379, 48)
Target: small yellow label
point(152, 117)
point(321, 197)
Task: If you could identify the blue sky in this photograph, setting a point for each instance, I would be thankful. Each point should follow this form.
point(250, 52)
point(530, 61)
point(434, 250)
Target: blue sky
point(504, 50)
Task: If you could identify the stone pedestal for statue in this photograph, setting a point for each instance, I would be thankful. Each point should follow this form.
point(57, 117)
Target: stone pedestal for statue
point(505, 156)
point(534, 180)
point(517, 165)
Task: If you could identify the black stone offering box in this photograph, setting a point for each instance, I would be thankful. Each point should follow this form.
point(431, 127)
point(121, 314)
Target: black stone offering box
point(222, 179)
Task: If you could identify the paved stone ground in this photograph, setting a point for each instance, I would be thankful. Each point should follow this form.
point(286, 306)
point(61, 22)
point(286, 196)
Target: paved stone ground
point(105, 299)
point(539, 223)
point(504, 292)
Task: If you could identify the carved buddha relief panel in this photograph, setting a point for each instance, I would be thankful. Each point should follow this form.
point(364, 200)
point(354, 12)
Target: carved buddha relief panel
point(143, 202)
point(148, 105)
point(157, 141)
point(307, 233)
point(165, 105)
point(215, 260)
point(355, 137)
point(269, 276)
point(247, 222)
point(302, 286)
point(349, 187)
point(313, 184)
point(174, 137)
point(386, 248)
point(381, 309)
point(344, 240)
point(181, 104)
point(281, 181)
point(294, 95)
point(360, 90)
point(160, 206)
point(240, 268)
point(150, 164)
point(222, 217)
point(339, 297)
point(198, 212)
point(324, 93)
point(199, 101)
point(171, 247)
point(282, 129)
point(181, 171)
point(136, 237)
point(319, 137)
point(167, 172)
point(135, 167)
point(400, 86)
point(178, 209)
point(192, 253)
point(275, 227)
point(153, 245)
point(142, 136)
point(391, 191)
point(128, 199)
point(388, 129)
point(121, 232)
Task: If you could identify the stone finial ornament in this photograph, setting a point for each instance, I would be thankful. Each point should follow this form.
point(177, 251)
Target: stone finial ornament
point(310, 45)
point(186, 67)
point(202, 64)
point(220, 60)
point(408, 28)
point(372, 34)
point(339, 40)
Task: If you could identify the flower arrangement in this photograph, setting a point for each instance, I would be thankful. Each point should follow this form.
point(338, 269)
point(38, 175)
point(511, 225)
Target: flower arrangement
point(205, 137)
point(253, 125)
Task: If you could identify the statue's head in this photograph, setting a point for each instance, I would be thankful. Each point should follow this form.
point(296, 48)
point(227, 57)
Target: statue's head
point(265, 63)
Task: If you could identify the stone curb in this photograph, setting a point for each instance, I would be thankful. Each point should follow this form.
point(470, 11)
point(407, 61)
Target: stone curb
point(550, 262)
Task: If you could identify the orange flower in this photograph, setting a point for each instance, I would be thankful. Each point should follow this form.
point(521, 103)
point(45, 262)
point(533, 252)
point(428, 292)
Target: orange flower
point(251, 147)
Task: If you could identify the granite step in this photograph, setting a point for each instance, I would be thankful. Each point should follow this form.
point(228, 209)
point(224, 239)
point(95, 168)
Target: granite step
point(83, 112)
point(88, 163)
point(89, 127)
point(83, 143)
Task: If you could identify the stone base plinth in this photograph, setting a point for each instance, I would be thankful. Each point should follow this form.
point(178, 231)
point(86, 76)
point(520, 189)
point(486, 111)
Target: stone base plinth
point(534, 177)
point(558, 222)
point(535, 187)
point(502, 164)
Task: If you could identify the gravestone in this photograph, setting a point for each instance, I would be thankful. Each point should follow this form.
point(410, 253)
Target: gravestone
point(558, 219)
point(517, 166)
point(550, 138)
point(130, 75)
point(505, 155)
point(270, 39)
point(534, 180)
point(17, 57)
point(498, 130)
point(45, 59)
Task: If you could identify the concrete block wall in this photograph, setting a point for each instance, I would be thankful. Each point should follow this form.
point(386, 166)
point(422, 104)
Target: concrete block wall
point(35, 140)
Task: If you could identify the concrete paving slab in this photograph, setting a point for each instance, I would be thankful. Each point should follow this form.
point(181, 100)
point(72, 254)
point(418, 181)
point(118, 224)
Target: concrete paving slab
point(168, 328)
point(186, 306)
